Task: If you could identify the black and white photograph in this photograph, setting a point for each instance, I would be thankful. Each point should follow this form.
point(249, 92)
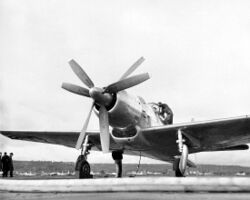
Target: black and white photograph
point(124, 99)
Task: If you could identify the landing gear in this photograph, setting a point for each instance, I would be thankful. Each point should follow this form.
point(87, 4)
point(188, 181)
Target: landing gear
point(176, 168)
point(82, 166)
point(117, 157)
point(180, 163)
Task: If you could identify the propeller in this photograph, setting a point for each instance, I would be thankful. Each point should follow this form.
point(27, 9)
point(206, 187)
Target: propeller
point(76, 89)
point(84, 128)
point(132, 68)
point(103, 97)
point(104, 128)
point(126, 83)
point(82, 75)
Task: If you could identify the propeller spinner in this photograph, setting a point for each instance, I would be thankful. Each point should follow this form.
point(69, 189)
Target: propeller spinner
point(102, 96)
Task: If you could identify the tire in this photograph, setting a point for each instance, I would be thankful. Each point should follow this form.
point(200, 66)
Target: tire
point(84, 171)
point(177, 170)
point(178, 173)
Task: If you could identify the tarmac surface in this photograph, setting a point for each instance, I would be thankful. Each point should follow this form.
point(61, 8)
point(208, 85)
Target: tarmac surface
point(125, 196)
point(128, 188)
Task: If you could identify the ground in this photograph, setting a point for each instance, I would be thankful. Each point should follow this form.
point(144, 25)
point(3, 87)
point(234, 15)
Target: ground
point(125, 196)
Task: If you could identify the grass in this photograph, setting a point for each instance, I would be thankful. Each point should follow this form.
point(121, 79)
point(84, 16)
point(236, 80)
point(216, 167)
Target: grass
point(49, 169)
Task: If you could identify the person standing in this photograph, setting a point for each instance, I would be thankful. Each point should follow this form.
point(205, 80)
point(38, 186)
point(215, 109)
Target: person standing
point(11, 166)
point(5, 164)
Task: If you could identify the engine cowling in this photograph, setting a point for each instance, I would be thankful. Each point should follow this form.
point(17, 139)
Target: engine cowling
point(125, 111)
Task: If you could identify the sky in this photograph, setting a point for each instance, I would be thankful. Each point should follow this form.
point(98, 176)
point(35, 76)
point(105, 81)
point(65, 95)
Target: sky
point(197, 54)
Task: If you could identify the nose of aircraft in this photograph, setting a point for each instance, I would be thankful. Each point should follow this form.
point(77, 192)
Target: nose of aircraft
point(104, 97)
point(100, 97)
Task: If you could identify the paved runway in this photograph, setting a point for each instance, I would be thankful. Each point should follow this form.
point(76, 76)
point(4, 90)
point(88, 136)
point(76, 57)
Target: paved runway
point(128, 188)
point(148, 184)
point(125, 196)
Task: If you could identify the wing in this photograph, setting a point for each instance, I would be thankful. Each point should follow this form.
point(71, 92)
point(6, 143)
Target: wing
point(52, 137)
point(160, 142)
point(214, 135)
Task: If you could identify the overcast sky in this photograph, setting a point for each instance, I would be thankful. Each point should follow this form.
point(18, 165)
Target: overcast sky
point(197, 53)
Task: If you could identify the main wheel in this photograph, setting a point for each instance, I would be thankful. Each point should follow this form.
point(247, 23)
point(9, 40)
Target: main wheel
point(178, 172)
point(84, 171)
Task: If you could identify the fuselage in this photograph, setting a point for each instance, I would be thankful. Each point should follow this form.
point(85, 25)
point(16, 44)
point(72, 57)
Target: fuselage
point(130, 110)
point(128, 116)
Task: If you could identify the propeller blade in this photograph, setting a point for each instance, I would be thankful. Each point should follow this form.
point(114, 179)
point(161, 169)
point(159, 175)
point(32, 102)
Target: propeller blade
point(132, 68)
point(76, 89)
point(126, 83)
point(82, 75)
point(84, 128)
point(104, 128)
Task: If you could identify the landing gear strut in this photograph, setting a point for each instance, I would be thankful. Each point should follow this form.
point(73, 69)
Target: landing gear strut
point(82, 166)
point(180, 162)
point(117, 157)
